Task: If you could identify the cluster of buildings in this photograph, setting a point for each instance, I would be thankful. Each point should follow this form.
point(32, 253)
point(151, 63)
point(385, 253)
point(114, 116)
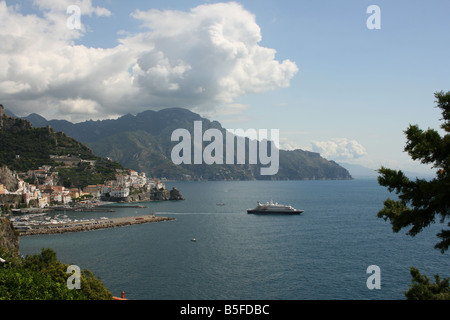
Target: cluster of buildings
point(43, 196)
point(47, 194)
point(124, 184)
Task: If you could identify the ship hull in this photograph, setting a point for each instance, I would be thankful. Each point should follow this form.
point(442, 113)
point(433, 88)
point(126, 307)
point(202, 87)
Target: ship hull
point(267, 212)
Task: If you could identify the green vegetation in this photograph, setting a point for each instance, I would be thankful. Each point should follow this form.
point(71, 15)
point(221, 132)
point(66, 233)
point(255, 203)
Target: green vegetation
point(43, 277)
point(83, 197)
point(421, 201)
point(423, 289)
point(24, 148)
point(84, 174)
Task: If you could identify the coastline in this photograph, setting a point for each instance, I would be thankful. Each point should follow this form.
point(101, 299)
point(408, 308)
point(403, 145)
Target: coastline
point(104, 223)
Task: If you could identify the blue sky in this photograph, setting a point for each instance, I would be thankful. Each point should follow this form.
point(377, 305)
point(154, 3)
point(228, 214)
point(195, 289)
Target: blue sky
point(332, 85)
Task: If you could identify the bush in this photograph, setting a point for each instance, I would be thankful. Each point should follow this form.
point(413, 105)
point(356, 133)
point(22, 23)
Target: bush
point(43, 277)
point(423, 289)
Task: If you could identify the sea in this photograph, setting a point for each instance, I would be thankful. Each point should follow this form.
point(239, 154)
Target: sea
point(326, 253)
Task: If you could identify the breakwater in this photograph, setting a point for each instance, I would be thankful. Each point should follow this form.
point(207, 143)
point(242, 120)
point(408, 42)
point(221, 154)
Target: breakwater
point(93, 224)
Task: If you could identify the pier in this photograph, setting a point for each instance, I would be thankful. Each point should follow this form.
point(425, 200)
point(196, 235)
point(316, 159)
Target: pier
point(84, 209)
point(93, 224)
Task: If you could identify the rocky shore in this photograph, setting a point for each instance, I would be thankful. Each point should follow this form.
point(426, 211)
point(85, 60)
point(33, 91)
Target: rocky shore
point(102, 223)
point(154, 195)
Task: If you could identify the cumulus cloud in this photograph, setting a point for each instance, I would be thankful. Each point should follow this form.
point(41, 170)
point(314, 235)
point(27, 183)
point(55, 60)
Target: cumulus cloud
point(85, 6)
point(339, 149)
point(201, 59)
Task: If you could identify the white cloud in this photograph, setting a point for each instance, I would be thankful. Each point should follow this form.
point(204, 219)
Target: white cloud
point(339, 149)
point(290, 146)
point(200, 59)
point(58, 6)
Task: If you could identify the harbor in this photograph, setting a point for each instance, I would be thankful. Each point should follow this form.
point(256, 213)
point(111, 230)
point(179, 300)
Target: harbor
point(63, 224)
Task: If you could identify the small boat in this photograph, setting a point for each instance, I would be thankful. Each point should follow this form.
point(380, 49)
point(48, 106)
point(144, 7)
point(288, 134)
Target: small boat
point(193, 239)
point(220, 204)
point(274, 208)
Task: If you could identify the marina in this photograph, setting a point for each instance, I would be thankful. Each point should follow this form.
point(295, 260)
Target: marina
point(27, 226)
point(31, 221)
point(84, 209)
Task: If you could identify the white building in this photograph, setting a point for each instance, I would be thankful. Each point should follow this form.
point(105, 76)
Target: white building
point(119, 192)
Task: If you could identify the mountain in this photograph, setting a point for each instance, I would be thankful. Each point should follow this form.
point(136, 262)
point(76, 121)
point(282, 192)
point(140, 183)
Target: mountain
point(143, 143)
point(10, 113)
point(358, 171)
point(23, 148)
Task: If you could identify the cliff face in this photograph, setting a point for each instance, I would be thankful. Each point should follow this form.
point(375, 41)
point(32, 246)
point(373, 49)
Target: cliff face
point(7, 179)
point(154, 195)
point(2, 114)
point(8, 123)
point(161, 195)
point(9, 239)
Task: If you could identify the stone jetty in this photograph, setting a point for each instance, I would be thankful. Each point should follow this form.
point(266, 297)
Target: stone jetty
point(93, 224)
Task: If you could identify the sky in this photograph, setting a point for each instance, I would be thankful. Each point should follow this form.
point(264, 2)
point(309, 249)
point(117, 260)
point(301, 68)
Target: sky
point(319, 71)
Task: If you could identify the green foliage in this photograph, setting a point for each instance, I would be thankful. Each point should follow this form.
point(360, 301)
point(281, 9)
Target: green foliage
point(43, 277)
point(24, 148)
point(420, 202)
point(10, 255)
point(23, 284)
point(423, 289)
point(85, 174)
point(83, 197)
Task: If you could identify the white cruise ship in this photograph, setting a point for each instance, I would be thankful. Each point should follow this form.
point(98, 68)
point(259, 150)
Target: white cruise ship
point(274, 208)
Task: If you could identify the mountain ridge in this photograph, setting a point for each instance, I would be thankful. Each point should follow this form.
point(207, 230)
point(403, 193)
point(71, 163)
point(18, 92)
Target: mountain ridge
point(361, 172)
point(24, 147)
point(143, 143)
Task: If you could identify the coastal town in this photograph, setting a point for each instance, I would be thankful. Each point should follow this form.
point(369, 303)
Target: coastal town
point(46, 176)
point(29, 205)
point(47, 194)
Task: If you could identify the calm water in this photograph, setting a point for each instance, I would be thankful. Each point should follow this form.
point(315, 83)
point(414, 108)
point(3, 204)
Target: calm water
point(322, 254)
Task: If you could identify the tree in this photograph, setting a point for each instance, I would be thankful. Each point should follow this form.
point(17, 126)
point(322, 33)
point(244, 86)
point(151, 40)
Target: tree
point(422, 289)
point(47, 263)
point(421, 201)
point(43, 277)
